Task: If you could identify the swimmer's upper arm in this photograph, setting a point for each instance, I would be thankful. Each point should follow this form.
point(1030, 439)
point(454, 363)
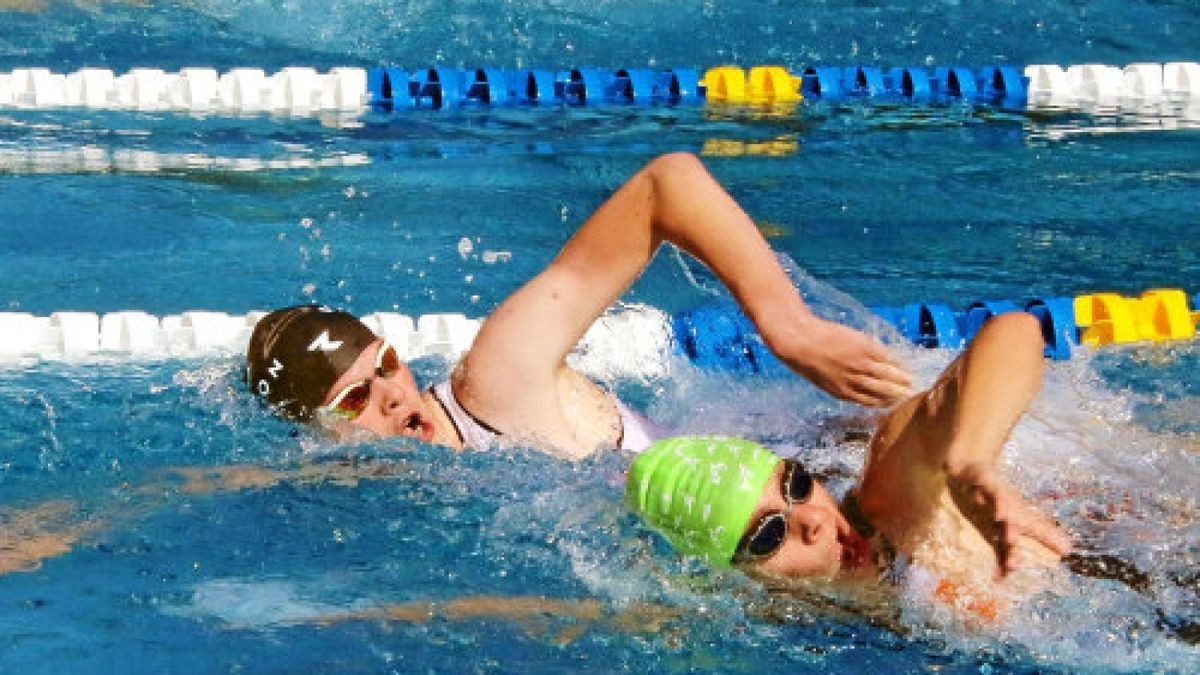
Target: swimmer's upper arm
point(672, 199)
point(523, 344)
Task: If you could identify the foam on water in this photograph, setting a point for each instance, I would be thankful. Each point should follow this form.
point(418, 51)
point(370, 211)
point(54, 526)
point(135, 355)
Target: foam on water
point(1082, 454)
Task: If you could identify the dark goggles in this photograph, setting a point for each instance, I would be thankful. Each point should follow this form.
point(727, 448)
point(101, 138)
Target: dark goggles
point(796, 486)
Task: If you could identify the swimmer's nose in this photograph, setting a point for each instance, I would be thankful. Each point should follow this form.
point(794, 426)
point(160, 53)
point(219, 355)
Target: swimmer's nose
point(811, 522)
point(391, 394)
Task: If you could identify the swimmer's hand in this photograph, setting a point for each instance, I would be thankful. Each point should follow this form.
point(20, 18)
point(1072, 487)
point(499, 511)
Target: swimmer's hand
point(846, 363)
point(1021, 536)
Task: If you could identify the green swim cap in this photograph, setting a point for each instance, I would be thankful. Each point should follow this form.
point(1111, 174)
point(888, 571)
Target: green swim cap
point(700, 491)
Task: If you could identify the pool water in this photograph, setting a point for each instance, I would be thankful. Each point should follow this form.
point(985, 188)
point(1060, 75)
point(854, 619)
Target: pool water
point(426, 211)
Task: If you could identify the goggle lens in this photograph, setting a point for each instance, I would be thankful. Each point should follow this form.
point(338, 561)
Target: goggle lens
point(797, 483)
point(796, 487)
point(768, 537)
point(388, 362)
point(352, 401)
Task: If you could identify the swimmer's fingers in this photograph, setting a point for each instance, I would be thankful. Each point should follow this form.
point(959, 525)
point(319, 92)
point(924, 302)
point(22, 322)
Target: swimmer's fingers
point(1045, 532)
point(883, 378)
point(871, 393)
point(885, 383)
point(888, 366)
point(1007, 544)
point(1025, 536)
point(876, 383)
point(995, 508)
point(844, 362)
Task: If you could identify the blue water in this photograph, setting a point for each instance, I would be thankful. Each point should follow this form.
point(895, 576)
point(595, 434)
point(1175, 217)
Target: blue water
point(885, 203)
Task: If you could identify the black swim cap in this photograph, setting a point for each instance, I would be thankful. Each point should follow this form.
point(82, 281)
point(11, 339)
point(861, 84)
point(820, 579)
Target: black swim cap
point(297, 353)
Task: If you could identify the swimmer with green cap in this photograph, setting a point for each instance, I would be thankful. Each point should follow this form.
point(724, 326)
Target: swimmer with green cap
point(930, 492)
point(514, 384)
point(703, 491)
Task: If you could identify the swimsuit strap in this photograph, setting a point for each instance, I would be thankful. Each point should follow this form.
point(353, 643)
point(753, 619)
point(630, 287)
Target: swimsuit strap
point(636, 431)
point(474, 433)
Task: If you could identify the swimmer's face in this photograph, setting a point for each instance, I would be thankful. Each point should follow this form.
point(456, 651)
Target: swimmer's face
point(391, 404)
point(818, 540)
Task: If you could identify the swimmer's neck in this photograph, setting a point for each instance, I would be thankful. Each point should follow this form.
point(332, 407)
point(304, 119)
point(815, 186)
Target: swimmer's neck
point(852, 510)
point(882, 554)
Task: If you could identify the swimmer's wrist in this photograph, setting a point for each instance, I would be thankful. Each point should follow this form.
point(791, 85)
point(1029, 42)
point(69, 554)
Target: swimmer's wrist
point(971, 482)
point(788, 332)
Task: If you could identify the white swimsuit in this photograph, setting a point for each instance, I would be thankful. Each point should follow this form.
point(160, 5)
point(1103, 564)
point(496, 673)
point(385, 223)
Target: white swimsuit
point(637, 432)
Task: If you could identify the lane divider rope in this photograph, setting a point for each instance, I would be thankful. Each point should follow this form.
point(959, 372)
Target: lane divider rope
point(637, 338)
point(85, 337)
point(721, 337)
point(302, 90)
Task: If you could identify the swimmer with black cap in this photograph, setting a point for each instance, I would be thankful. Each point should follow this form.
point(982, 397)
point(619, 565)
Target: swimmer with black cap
point(313, 363)
point(296, 353)
point(514, 384)
point(930, 503)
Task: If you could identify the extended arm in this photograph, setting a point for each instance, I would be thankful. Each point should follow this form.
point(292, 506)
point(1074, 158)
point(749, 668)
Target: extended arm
point(31, 535)
point(672, 199)
point(564, 620)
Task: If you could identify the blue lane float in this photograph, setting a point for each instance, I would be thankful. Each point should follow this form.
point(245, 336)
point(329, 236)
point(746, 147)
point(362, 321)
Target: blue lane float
point(721, 337)
point(441, 88)
point(1057, 318)
point(990, 84)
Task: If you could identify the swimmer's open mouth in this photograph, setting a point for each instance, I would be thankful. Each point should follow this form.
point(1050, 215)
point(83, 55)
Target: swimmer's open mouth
point(419, 427)
point(855, 551)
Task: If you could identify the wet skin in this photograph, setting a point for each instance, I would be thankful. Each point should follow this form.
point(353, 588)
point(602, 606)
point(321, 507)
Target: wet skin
point(820, 542)
point(396, 406)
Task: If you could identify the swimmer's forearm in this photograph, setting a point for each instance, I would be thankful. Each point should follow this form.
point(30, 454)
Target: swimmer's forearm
point(672, 199)
point(637, 618)
point(198, 480)
point(693, 211)
point(987, 391)
point(30, 536)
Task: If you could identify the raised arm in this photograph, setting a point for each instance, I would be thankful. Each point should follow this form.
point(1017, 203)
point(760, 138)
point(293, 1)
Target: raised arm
point(672, 199)
point(949, 439)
